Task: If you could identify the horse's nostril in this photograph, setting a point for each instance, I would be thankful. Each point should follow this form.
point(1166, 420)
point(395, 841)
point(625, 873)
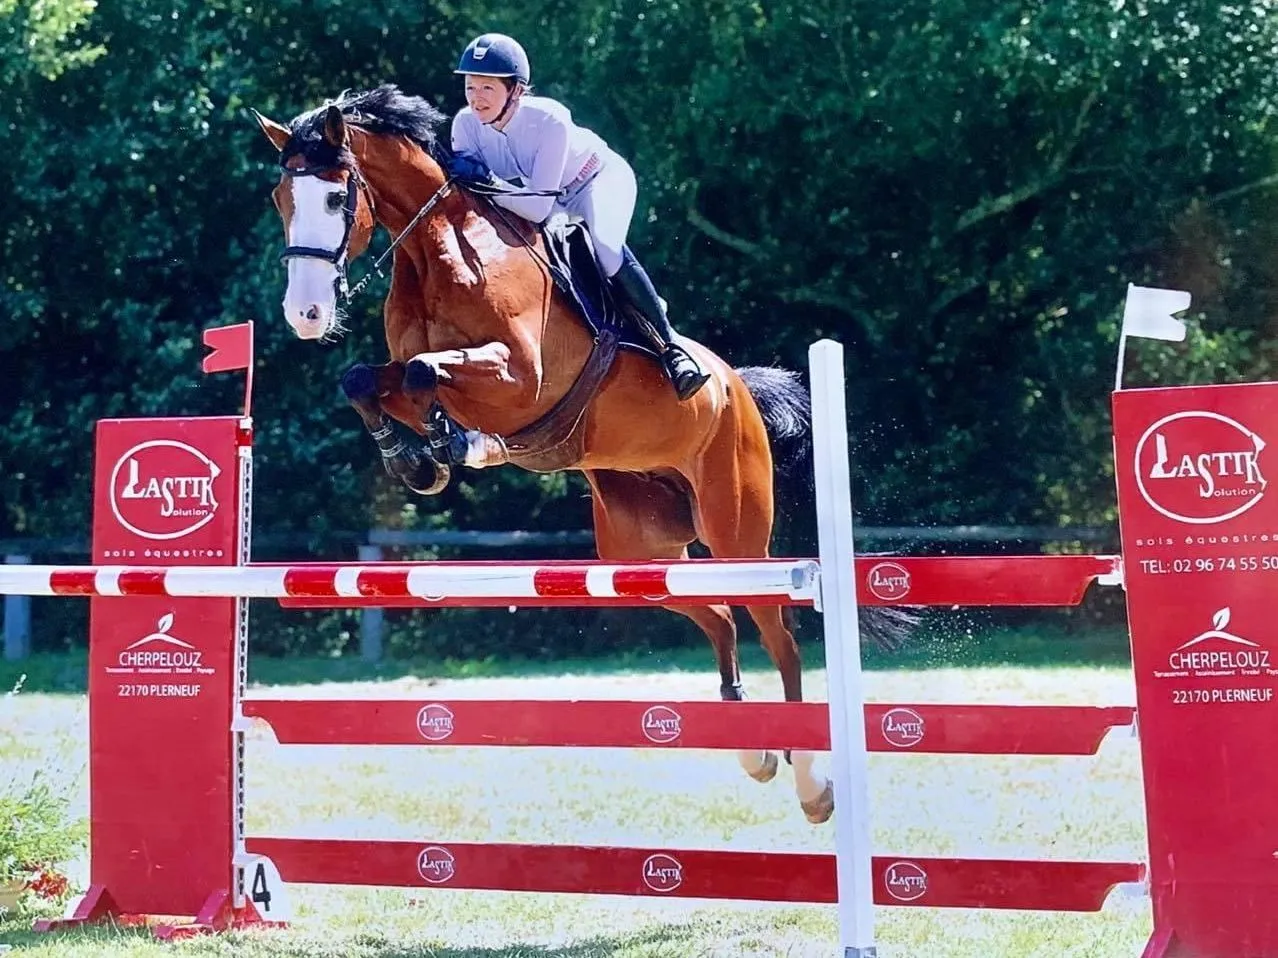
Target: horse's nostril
point(313, 314)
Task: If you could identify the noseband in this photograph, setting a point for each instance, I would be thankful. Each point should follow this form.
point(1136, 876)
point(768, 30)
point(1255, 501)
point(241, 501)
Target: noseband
point(337, 257)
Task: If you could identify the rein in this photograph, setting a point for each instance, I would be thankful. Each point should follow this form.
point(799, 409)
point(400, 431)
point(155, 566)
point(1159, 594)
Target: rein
point(354, 183)
point(417, 218)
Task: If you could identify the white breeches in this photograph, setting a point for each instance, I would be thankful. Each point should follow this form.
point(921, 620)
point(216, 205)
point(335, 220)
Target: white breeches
point(606, 204)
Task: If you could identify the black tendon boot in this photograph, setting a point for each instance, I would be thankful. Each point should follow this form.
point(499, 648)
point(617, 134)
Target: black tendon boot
point(685, 373)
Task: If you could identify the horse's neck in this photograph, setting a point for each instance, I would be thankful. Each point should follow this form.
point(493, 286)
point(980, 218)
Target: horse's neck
point(475, 282)
point(402, 181)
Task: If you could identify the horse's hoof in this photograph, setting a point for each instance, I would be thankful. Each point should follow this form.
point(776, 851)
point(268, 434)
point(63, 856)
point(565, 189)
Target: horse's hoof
point(430, 479)
point(768, 771)
point(819, 810)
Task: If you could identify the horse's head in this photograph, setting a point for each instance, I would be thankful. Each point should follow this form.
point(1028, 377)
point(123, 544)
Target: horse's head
point(327, 204)
point(327, 214)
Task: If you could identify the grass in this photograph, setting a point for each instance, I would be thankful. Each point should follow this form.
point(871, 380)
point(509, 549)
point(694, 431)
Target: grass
point(967, 806)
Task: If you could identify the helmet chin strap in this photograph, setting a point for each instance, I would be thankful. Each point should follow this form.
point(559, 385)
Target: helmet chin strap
point(510, 99)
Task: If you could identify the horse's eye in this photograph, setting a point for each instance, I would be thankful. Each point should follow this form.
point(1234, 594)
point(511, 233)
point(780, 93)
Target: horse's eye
point(335, 201)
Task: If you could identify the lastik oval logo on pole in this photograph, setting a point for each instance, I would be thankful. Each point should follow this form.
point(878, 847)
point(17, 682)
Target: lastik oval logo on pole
point(163, 489)
point(661, 724)
point(435, 722)
point(905, 881)
point(888, 581)
point(436, 865)
point(903, 727)
point(1200, 467)
point(662, 872)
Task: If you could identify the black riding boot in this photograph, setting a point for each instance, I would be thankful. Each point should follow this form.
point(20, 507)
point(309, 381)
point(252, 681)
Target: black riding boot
point(685, 373)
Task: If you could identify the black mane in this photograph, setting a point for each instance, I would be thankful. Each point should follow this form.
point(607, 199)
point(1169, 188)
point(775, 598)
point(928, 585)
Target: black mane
point(384, 111)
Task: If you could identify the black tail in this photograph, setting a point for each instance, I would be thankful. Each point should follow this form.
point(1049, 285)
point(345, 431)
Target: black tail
point(786, 407)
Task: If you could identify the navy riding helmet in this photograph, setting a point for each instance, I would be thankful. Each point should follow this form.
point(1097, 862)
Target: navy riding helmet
point(496, 55)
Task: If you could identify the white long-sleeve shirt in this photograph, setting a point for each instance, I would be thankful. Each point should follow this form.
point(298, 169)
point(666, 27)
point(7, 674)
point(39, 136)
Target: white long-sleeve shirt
point(541, 145)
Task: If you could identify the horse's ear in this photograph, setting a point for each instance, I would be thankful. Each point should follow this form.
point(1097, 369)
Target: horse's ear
point(277, 133)
point(334, 127)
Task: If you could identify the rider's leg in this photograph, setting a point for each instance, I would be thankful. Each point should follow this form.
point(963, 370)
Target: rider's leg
point(606, 204)
point(684, 371)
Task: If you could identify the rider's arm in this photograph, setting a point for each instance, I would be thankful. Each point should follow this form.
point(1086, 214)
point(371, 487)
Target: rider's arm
point(547, 172)
point(463, 134)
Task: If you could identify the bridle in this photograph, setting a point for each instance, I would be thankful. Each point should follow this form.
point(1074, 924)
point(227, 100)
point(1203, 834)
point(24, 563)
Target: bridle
point(355, 182)
point(337, 257)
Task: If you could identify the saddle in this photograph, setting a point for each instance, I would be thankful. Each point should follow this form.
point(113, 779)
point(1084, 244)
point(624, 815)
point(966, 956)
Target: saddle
point(570, 251)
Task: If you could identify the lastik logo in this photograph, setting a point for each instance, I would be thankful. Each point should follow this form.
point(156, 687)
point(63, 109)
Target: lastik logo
point(1200, 467)
point(662, 873)
point(661, 724)
point(163, 489)
point(1245, 655)
point(905, 881)
point(436, 865)
point(903, 727)
point(435, 722)
point(888, 581)
point(179, 655)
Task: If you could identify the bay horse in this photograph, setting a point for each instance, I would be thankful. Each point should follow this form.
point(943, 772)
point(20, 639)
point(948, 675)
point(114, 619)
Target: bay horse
point(487, 352)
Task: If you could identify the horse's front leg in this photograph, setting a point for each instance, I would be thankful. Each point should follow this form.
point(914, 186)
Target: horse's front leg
point(487, 371)
point(372, 391)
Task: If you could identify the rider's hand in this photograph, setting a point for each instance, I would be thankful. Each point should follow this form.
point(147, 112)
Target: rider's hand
point(467, 166)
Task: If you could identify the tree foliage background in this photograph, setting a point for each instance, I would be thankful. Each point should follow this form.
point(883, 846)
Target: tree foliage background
point(959, 191)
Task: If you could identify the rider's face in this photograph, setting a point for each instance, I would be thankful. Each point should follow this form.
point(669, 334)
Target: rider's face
point(486, 96)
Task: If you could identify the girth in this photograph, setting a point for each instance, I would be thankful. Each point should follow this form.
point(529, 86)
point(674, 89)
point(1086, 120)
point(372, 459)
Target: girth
point(554, 441)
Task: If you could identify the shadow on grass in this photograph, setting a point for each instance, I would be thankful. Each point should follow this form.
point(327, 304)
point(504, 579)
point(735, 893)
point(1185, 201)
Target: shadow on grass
point(668, 940)
point(16, 932)
point(663, 941)
point(941, 642)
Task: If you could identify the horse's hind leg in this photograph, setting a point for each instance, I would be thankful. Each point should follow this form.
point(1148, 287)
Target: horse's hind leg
point(734, 517)
point(637, 517)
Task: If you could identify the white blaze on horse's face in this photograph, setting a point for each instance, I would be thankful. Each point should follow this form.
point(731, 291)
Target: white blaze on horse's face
point(317, 221)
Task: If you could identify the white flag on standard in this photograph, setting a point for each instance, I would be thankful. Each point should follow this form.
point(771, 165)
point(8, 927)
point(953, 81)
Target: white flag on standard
point(1148, 313)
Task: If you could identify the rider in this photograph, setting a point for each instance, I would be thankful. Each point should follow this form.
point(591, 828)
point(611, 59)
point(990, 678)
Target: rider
point(505, 132)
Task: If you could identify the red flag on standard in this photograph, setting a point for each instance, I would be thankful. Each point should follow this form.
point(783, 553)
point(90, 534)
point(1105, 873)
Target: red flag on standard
point(232, 347)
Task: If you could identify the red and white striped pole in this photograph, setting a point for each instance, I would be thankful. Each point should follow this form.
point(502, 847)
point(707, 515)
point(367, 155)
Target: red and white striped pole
point(655, 583)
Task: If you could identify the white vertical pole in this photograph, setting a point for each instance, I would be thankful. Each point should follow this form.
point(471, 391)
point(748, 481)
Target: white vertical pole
point(849, 759)
point(240, 654)
point(1122, 352)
